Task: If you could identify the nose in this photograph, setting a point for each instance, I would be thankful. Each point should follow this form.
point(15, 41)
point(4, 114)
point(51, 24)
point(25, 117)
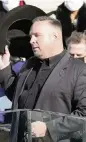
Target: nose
point(33, 39)
point(75, 56)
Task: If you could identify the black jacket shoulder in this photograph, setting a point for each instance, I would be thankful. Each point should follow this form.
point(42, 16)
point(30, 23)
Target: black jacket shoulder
point(29, 63)
point(77, 65)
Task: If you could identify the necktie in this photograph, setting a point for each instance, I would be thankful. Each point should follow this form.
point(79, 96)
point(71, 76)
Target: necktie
point(21, 3)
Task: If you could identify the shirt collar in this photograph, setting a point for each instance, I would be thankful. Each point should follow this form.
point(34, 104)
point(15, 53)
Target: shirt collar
point(53, 60)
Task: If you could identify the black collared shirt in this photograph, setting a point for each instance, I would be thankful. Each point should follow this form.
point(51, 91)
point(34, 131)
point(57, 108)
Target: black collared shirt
point(36, 80)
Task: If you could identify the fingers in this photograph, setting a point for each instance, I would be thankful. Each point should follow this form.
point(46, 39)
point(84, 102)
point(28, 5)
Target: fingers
point(5, 58)
point(6, 50)
point(38, 129)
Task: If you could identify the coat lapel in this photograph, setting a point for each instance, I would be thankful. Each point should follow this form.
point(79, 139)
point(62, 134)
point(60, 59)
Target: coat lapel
point(20, 86)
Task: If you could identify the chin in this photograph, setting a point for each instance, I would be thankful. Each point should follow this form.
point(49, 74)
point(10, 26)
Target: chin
point(37, 55)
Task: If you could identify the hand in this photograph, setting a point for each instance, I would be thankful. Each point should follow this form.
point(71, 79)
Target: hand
point(38, 129)
point(5, 58)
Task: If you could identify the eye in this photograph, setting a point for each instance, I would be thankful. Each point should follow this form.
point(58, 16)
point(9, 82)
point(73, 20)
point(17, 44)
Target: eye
point(72, 54)
point(79, 55)
point(37, 35)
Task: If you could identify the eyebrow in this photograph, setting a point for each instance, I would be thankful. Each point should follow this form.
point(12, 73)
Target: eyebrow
point(36, 33)
point(79, 54)
point(72, 54)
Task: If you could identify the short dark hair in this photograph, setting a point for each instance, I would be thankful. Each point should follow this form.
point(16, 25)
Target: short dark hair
point(76, 37)
point(52, 21)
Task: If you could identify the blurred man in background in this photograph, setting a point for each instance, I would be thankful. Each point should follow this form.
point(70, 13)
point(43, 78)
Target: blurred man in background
point(76, 45)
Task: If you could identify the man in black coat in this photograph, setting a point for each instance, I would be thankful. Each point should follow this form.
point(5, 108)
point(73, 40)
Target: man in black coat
point(51, 81)
point(72, 15)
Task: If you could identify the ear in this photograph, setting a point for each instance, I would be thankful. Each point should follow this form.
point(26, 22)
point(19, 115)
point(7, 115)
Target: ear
point(55, 35)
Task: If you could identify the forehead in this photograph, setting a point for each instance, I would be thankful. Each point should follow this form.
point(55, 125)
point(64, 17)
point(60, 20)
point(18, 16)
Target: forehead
point(41, 26)
point(80, 47)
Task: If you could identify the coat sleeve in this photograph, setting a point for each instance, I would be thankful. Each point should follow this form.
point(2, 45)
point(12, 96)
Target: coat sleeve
point(8, 78)
point(70, 126)
point(8, 81)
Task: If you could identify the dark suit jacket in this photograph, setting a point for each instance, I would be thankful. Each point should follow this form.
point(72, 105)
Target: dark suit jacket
point(64, 91)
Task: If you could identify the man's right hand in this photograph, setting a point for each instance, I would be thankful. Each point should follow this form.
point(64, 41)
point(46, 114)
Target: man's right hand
point(5, 58)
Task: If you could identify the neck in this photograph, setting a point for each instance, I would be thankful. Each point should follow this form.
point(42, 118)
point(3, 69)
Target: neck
point(59, 49)
point(53, 54)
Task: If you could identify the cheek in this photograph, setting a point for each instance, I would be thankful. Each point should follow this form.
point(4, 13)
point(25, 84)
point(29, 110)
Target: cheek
point(44, 43)
point(46, 40)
